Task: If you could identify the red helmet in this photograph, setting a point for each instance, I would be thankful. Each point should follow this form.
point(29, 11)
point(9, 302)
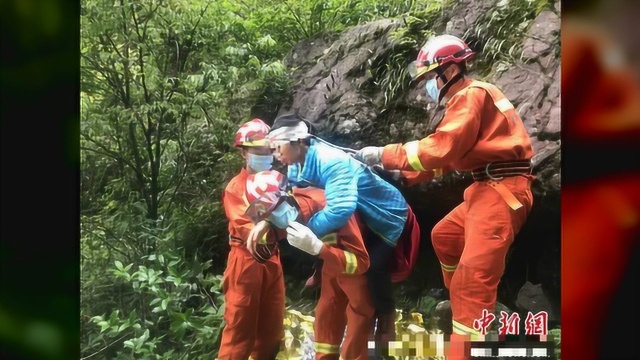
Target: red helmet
point(438, 51)
point(264, 191)
point(252, 133)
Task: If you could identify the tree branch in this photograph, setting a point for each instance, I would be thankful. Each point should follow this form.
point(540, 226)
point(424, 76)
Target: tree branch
point(147, 98)
point(206, 116)
point(183, 125)
point(110, 246)
point(199, 19)
point(127, 75)
point(104, 348)
point(115, 238)
point(136, 155)
point(102, 38)
point(155, 168)
point(298, 20)
point(135, 22)
point(111, 76)
point(106, 150)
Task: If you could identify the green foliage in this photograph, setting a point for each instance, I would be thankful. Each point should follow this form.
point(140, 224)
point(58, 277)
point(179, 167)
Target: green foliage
point(176, 304)
point(499, 35)
point(555, 334)
point(160, 103)
point(328, 16)
point(390, 72)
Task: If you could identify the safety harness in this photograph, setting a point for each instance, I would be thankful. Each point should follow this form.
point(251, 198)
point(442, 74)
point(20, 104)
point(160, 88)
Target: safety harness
point(497, 170)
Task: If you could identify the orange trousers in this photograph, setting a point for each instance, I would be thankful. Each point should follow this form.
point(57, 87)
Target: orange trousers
point(254, 307)
point(345, 302)
point(471, 243)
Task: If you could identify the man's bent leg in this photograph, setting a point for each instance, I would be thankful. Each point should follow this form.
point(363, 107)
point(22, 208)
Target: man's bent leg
point(447, 238)
point(490, 228)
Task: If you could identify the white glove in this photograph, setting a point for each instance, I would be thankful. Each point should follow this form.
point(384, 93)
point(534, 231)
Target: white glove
point(303, 238)
point(370, 155)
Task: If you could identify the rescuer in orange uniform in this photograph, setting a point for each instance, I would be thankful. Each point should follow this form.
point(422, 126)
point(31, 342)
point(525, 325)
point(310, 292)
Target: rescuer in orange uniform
point(345, 300)
point(253, 286)
point(482, 133)
point(600, 212)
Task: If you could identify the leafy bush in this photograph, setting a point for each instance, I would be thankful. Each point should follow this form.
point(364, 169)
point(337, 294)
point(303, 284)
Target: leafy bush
point(499, 34)
point(176, 310)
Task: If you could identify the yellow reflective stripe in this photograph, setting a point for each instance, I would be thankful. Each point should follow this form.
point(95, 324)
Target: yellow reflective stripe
point(260, 142)
point(264, 238)
point(352, 263)
point(460, 329)
point(330, 239)
point(449, 267)
point(411, 148)
point(504, 105)
point(431, 67)
point(327, 348)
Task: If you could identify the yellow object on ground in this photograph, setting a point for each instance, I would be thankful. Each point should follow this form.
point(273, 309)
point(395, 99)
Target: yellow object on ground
point(410, 330)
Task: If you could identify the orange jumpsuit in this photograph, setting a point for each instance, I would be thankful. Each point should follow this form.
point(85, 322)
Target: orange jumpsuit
point(601, 215)
point(345, 300)
point(479, 126)
point(254, 292)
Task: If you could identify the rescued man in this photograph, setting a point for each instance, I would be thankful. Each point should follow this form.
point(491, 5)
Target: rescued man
point(345, 299)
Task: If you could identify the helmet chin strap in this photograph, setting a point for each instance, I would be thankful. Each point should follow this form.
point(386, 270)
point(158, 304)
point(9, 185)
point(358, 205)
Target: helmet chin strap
point(447, 83)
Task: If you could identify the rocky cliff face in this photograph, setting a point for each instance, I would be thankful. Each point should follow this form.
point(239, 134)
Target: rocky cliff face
point(354, 88)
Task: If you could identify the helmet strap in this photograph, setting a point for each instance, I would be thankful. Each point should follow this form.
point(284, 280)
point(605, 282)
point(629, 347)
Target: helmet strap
point(440, 72)
point(448, 84)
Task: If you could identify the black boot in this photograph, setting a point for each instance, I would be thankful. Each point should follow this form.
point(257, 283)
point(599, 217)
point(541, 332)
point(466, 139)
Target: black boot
point(439, 293)
point(384, 334)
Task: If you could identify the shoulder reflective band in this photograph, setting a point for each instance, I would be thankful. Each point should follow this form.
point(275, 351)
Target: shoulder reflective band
point(504, 105)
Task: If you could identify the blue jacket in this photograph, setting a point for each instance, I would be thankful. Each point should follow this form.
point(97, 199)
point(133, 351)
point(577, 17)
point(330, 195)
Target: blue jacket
point(349, 185)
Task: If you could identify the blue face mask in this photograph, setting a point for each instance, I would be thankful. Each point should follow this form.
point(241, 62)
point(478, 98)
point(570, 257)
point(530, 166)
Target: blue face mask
point(259, 162)
point(283, 215)
point(432, 89)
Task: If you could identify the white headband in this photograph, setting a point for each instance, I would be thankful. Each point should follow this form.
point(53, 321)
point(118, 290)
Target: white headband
point(290, 133)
